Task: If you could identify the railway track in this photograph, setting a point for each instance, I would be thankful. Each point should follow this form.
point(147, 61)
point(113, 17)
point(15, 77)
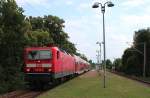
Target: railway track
point(132, 78)
point(31, 93)
point(22, 94)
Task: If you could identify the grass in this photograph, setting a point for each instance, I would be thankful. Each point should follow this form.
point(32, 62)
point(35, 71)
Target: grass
point(92, 87)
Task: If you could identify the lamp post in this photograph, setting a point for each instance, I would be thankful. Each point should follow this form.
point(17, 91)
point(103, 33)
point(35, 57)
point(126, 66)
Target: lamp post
point(98, 61)
point(99, 52)
point(144, 66)
point(98, 57)
point(96, 5)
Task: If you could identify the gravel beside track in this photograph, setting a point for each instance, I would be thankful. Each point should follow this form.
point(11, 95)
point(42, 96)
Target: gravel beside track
point(21, 94)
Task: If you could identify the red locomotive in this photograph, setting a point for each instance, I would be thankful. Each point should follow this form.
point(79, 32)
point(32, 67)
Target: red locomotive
point(43, 65)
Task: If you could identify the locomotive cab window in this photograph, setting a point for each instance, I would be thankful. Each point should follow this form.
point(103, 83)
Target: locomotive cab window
point(39, 54)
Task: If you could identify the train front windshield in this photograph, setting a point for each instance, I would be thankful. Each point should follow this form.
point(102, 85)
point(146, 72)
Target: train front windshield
point(39, 55)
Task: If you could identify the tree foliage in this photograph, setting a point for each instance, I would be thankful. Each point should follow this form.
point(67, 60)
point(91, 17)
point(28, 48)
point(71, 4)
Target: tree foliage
point(53, 25)
point(11, 42)
point(133, 58)
point(92, 64)
point(117, 64)
point(108, 64)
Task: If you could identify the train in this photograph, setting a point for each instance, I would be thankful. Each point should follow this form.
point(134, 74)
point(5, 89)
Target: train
point(50, 64)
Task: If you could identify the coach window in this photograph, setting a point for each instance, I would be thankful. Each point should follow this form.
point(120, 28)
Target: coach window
point(58, 54)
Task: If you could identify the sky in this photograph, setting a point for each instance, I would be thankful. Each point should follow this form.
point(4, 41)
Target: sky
point(84, 24)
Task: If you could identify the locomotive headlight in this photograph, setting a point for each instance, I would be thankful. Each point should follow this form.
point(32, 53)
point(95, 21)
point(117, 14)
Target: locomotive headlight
point(27, 69)
point(49, 70)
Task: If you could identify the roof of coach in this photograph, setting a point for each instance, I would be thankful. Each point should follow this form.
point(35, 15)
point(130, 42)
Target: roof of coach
point(47, 47)
point(62, 51)
point(78, 59)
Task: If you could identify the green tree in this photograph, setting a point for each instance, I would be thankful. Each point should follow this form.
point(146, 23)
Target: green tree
point(108, 64)
point(117, 64)
point(38, 38)
point(54, 26)
point(127, 53)
point(140, 37)
point(84, 57)
point(92, 64)
point(12, 23)
point(132, 60)
point(132, 66)
point(36, 23)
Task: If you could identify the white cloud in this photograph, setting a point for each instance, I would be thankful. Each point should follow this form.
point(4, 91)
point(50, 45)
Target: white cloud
point(20, 2)
point(134, 20)
point(69, 2)
point(83, 6)
point(81, 32)
point(133, 3)
point(35, 6)
point(32, 2)
point(147, 9)
point(121, 38)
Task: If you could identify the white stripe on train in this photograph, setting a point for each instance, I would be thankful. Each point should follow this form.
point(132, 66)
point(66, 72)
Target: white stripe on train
point(34, 65)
